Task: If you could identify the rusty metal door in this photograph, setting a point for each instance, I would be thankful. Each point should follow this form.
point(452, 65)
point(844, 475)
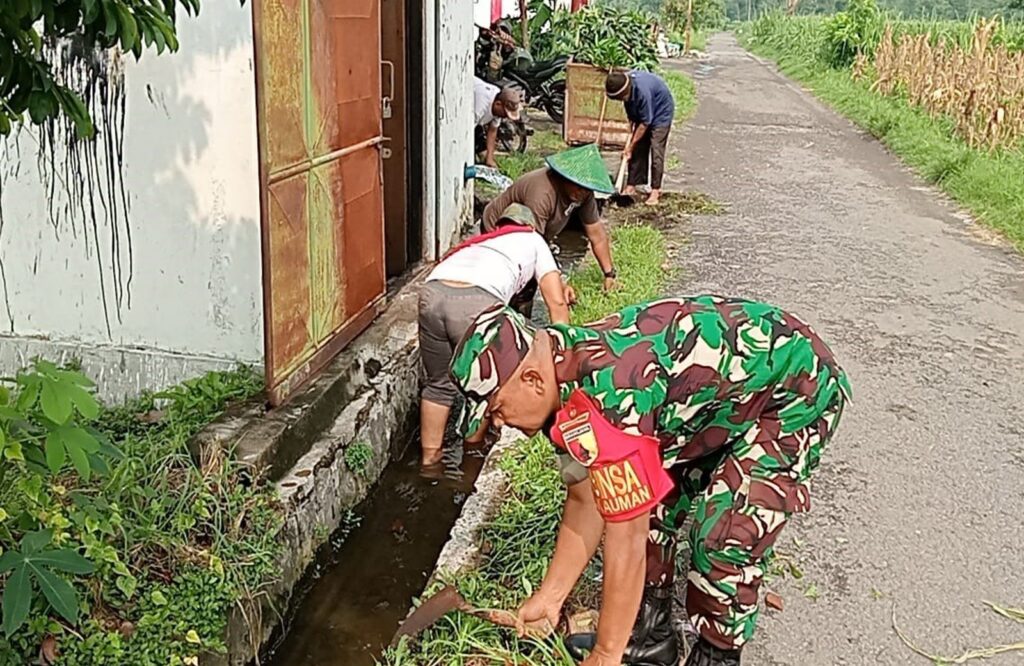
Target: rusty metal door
point(319, 108)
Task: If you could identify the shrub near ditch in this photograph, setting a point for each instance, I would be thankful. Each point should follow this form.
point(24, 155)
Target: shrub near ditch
point(137, 554)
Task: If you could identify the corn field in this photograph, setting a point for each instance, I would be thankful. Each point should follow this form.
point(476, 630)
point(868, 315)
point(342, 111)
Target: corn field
point(979, 86)
point(969, 72)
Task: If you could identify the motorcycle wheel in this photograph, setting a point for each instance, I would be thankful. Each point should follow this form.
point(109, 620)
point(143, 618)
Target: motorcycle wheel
point(554, 104)
point(512, 137)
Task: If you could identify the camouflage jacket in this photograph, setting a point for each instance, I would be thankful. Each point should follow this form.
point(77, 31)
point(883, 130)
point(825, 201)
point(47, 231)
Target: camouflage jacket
point(696, 372)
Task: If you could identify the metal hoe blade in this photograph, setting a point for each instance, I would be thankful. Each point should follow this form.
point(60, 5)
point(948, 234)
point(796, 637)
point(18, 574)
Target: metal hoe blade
point(448, 600)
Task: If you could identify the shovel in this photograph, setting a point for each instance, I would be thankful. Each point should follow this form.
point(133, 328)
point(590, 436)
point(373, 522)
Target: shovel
point(448, 600)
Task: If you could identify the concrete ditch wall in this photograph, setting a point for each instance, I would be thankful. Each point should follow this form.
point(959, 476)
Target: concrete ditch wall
point(367, 398)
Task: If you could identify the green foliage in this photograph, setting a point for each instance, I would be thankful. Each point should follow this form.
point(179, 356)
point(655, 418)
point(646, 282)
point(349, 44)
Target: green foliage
point(599, 35)
point(707, 15)
point(142, 560)
point(357, 456)
point(989, 185)
point(519, 542)
point(27, 81)
point(639, 259)
point(748, 10)
point(515, 165)
point(684, 92)
point(853, 32)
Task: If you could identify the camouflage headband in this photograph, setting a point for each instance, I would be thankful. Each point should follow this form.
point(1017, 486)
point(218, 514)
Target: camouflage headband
point(493, 347)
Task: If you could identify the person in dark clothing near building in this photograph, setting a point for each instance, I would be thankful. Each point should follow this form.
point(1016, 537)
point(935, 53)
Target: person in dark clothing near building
point(650, 109)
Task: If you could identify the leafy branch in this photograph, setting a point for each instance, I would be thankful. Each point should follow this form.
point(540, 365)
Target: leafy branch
point(27, 80)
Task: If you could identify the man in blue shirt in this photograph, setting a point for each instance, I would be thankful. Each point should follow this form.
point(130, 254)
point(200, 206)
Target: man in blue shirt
point(650, 109)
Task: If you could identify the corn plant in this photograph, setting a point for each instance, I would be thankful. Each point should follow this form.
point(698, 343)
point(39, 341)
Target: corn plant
point(979, 85)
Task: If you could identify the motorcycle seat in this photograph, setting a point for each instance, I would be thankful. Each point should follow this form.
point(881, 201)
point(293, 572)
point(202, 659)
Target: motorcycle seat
point(545, 68)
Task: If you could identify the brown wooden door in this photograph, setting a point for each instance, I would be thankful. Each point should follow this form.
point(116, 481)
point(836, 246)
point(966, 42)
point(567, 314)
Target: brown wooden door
point(318, 90)
point(396, 156)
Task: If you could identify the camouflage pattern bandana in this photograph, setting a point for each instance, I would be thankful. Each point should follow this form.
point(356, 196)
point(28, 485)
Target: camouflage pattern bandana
point(493, 347)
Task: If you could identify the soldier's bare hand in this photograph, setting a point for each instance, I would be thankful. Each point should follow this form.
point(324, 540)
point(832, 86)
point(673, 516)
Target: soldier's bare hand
point(610, 284)
point(570, 295)
point(536, 608)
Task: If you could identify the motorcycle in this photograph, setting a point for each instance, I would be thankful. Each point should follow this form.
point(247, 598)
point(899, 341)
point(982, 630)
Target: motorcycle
point(541, 83)
point(512, 136)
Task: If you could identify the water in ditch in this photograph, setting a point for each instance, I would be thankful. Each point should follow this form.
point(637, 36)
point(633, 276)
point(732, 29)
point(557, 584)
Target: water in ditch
point(364, 581)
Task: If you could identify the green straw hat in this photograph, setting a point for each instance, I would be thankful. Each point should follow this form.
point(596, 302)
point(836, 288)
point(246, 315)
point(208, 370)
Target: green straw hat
point(584, 167)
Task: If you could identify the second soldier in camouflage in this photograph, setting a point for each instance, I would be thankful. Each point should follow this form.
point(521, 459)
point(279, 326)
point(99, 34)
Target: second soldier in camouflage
point(711, 407)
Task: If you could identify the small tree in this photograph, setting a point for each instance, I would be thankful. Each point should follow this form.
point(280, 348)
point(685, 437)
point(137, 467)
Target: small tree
point(698, 14)
point(27, 82)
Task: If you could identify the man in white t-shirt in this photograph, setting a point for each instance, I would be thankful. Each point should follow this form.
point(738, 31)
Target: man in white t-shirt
point(491, 104)
point(486, 269)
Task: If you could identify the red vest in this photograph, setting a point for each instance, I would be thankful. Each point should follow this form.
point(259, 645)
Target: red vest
point(625, 470)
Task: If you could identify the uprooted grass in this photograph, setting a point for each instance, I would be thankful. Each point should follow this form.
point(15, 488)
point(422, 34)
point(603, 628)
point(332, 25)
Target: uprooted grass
point(674, 208)
point(518, 542)
point(1014, 614)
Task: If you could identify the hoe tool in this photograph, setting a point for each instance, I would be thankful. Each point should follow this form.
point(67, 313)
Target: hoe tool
point(448, 600)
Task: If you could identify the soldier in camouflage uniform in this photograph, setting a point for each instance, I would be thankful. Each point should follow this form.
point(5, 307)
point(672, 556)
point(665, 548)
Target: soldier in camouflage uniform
point(733, 401)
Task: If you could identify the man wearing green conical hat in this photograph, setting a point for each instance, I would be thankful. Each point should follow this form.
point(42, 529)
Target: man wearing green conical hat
point(555, 193)
point(710, 407)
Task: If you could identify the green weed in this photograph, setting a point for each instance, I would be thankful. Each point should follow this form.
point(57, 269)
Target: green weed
point(175, 544)
point(358, 456)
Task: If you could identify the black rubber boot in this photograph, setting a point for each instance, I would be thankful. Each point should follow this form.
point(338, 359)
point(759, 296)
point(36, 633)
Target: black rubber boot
point(706, 654)
point(654, 641)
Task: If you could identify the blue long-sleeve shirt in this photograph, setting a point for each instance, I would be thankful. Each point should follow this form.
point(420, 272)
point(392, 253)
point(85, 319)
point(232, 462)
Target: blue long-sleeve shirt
point(650, 101)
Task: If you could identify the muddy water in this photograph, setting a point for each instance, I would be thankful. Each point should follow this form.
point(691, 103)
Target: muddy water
point(365, 580)
point(370, 575)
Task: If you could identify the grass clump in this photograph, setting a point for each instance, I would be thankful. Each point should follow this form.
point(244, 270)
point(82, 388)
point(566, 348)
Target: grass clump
point(544, 142)
point(684, 92)
point(639, 253)
point(515, 165)
point(518, 544)
point(174, 543)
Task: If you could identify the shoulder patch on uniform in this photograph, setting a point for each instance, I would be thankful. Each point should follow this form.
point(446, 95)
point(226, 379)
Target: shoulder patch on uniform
point(579, 438)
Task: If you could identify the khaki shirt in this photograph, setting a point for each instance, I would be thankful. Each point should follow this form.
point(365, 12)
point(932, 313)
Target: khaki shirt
point(537, 191)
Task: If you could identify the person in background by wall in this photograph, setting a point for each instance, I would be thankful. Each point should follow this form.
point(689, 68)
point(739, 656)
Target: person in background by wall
point(491, 104)
point(556, 192)
point(650, 109)
point(484, 270)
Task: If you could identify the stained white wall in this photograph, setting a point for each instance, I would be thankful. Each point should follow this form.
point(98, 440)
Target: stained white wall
point(449, 121)
point(190, 170)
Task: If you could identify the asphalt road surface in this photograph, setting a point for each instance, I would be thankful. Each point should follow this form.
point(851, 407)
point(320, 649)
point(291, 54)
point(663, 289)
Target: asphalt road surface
point(918, 503)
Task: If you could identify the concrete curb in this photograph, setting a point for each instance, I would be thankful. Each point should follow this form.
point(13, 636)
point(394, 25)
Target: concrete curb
point(462, 550)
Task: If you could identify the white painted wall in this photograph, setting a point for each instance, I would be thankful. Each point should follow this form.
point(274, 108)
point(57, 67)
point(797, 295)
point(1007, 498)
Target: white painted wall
point(191, 172)
point(449, 121)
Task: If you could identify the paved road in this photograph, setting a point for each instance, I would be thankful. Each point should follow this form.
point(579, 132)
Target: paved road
point(920, 499)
